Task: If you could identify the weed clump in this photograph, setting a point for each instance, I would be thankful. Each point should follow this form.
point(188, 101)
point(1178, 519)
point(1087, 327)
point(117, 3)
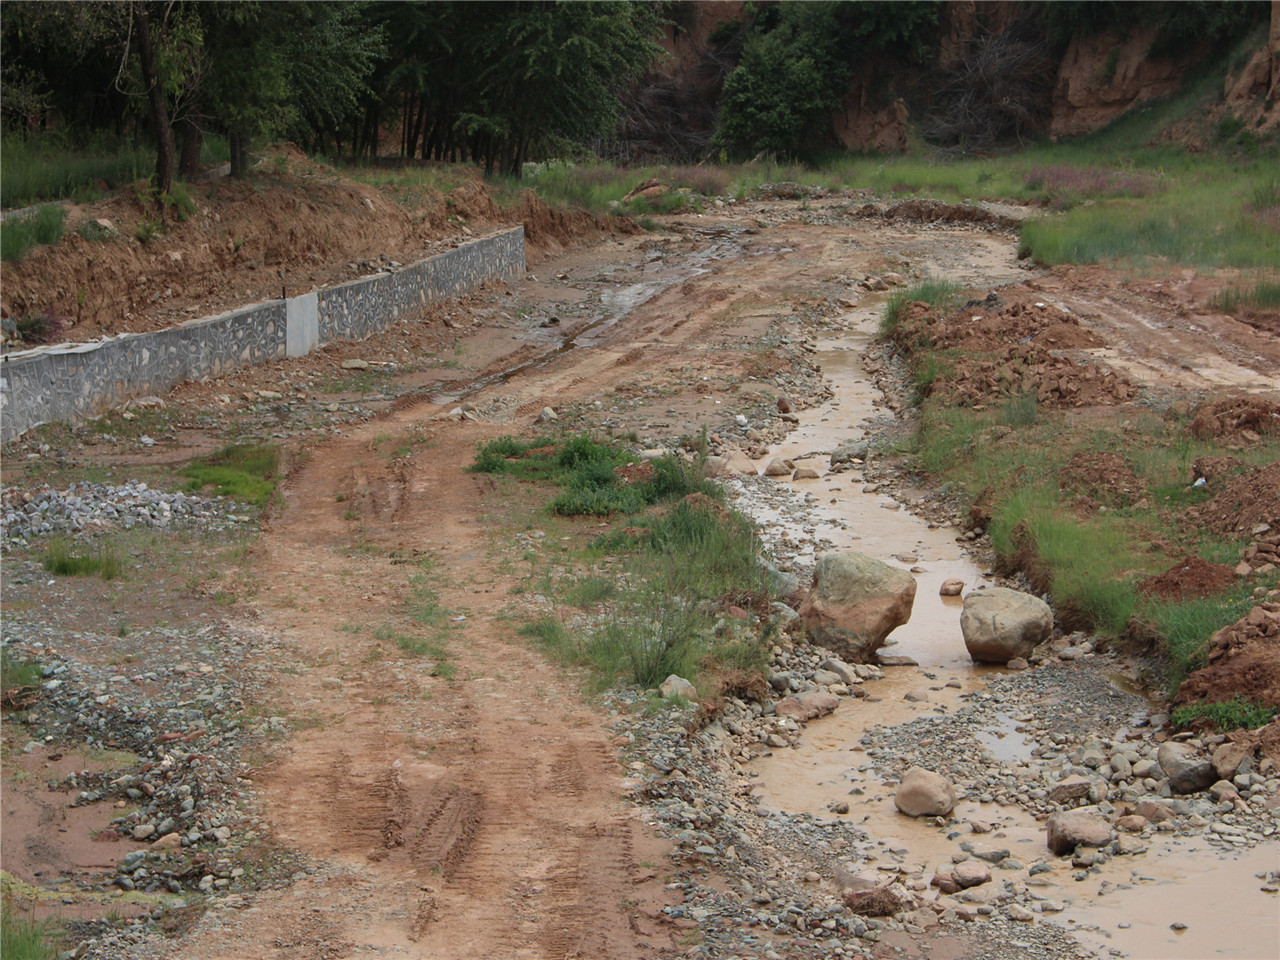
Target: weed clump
point(941, 295)
point(61, 558)
point(19, 681)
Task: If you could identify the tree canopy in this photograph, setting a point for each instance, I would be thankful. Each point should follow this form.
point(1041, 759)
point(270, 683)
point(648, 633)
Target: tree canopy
point(797, 62)
point(492, 82)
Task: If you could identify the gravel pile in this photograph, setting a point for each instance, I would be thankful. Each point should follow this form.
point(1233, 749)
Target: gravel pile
point(85, 507)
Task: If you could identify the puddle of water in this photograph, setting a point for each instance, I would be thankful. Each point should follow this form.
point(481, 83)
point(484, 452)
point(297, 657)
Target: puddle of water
point(1216, 896)
point(1002, 739)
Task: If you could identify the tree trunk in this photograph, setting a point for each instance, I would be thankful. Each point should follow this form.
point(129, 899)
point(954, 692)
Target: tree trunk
point(239, 154)
point(155, 99)
point(192, 141)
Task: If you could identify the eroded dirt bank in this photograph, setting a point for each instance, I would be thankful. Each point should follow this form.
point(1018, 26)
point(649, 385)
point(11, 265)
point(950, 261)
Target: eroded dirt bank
point(469, 801)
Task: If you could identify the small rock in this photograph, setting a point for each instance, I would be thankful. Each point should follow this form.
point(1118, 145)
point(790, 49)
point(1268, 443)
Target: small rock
point(355, 364)
point(951, 588)
point(675, 686)
point(971, 873)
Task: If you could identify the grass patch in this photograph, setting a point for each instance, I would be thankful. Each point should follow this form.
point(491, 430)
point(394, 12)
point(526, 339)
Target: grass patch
point(587, 470)
point(665, 619)
point(1187, 625)
point(1211, 213)
point(243, 472)
point(44, 168)
point(1232, 714)
point(414, 646)
point(62, 558)
point(1086, 566)
point(25, 939)
point(589, 591)
point(1260, 296)
point(682, 563)
point(942, 295)
point(19, 235)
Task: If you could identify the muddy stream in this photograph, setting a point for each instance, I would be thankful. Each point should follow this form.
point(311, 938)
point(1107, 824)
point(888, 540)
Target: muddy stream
point(1127, 908)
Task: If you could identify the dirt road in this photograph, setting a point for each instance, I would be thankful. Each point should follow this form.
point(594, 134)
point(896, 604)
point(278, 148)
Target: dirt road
point(469, 802)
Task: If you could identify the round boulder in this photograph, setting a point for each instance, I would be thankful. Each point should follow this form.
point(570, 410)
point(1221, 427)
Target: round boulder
point(1001, 624)
point(923, 793)
point(855, 602)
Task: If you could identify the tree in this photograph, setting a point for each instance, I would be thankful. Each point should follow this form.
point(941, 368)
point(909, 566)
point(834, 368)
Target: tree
point(273, 67)
point(798, 62)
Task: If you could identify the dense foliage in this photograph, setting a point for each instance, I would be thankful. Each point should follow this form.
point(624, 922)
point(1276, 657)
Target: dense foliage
point(497, 82)
point(797, 63)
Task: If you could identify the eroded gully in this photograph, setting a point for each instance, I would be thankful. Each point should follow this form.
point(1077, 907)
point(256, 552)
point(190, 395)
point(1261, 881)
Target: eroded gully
point(1125, 907)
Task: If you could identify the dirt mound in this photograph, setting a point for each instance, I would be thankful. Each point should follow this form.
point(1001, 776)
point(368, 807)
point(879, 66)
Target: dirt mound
point(635, 472)
point(295, 225)
point(1248, 502)
point(1246, 419)
point(1027, 370)
point(1024, 322)
point(547, 229)
point(1009, 353)
point(933, 211)
point(1210, 469)
point(1104, 475)
point(1187, 579)
point(1244, 660)
point(701, 502)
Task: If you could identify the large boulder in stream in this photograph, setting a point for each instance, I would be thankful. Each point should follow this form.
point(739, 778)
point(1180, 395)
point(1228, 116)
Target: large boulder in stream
point(923, 793)
point(855, 602)
point(1000, 624)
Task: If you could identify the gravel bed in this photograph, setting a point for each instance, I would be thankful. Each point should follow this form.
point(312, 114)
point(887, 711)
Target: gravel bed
point(85, 508)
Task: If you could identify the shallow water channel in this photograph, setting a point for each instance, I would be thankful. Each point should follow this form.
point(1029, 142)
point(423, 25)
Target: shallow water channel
point(1127, 908)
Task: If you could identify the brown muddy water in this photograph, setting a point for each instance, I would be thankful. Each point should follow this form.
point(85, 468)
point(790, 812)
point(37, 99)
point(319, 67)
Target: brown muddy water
point(1128, 907)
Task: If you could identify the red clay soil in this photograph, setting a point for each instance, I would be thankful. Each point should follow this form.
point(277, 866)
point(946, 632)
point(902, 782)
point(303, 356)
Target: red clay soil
point(978, 330)
point(1010, 353)
point(1244, 504)
point(926, 210)
point(295, 225)
point(1189, 578)
point(1212, 469)
point(1103, 475)
point(1023, 370)
point(1240, 419)
point(1244, 660)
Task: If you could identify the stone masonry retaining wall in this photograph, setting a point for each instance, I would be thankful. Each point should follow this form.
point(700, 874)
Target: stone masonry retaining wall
point(69, 381)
